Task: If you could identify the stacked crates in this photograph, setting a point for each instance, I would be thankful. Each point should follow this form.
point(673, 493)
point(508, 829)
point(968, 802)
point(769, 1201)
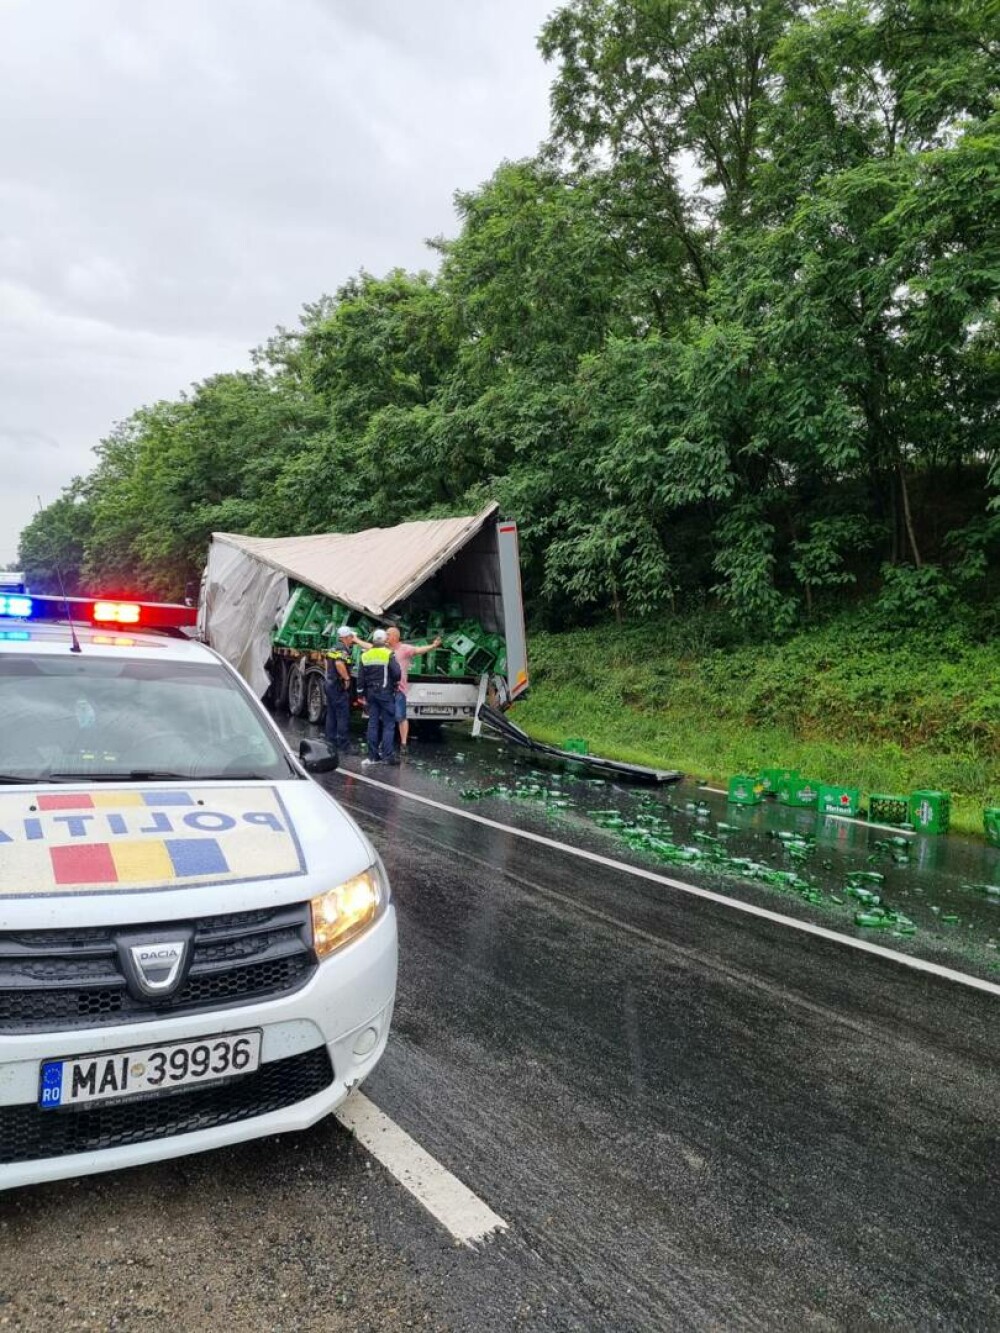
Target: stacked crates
point(798, 792)
point(772, 779)
point(305, 621)
point(930, 811)
point(467, 651)
point(310, 622)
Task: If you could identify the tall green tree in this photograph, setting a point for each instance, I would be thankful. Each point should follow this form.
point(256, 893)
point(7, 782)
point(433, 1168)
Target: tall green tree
point(733, 334)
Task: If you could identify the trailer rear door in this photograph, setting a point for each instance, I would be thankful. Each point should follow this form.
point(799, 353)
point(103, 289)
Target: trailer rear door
point(513, 609)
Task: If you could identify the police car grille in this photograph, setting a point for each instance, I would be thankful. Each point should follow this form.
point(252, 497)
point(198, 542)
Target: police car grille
point(28, 1134)
point(57, 979)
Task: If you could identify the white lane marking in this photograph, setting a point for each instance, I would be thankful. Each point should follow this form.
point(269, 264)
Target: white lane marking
point(443, 1195)
point(734, 904)
point(658, 941)
point(889, 828)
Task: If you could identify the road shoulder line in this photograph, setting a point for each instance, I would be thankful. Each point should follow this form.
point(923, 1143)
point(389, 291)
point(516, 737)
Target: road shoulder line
point(453, 1204)
point(734, 904)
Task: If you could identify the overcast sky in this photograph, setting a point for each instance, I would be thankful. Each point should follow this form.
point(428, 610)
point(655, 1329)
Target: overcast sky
point(179, 176)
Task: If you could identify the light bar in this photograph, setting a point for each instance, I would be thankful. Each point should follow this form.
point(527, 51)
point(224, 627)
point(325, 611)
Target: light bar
point(110, 612)
point(118, 613)
point(16, 606)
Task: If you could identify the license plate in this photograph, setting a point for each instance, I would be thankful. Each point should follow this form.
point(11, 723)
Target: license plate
point(148, 1069)
point(428, 710)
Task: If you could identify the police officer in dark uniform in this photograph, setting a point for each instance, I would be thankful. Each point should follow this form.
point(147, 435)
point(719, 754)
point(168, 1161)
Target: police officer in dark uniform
point(338, 689)
point(378, 681)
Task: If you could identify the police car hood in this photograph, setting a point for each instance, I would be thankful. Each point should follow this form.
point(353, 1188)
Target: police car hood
point(137, 852)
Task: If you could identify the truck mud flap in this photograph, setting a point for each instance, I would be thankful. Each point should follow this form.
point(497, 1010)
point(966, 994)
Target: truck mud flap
point(610, 768)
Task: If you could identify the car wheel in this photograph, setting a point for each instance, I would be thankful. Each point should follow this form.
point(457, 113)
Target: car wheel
point(315, 698)
point(296, 693)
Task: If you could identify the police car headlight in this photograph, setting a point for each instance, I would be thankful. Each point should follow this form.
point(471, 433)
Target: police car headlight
point(345, 912)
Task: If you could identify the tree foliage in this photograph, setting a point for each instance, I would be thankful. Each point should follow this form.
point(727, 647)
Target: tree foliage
point(733, 334)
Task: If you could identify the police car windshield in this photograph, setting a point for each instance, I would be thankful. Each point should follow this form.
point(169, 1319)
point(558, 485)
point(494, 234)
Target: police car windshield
point(99, 718)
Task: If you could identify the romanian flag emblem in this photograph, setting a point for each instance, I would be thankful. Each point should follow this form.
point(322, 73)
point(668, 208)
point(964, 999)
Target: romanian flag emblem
point(61, 842)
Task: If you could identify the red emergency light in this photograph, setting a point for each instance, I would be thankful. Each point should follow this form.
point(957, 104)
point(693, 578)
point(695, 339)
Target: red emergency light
point(117, 613)
point(113, 614)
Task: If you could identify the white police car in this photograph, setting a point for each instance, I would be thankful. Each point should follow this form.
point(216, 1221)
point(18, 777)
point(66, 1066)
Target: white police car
point(197, 945)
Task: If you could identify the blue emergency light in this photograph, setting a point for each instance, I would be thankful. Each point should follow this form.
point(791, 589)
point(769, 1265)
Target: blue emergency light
point(15, 606)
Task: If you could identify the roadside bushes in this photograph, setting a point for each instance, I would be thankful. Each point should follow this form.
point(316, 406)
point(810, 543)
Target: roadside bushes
point(848, 700)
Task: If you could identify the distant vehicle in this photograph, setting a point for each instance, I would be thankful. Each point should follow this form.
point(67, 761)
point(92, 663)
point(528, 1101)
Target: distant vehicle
point(197, 944)
point(271, 607)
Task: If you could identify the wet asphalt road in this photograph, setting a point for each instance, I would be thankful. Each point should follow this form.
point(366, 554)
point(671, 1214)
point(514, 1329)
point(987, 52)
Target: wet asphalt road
point(690, 1119)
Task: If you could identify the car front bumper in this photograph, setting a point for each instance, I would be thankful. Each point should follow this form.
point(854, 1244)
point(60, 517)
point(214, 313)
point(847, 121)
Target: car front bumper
point(345, 1007)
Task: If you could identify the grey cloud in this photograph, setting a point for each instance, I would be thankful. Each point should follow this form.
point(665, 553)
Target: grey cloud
point(176, 178)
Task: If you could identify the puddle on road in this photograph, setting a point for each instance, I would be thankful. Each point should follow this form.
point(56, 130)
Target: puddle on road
point(919, 894)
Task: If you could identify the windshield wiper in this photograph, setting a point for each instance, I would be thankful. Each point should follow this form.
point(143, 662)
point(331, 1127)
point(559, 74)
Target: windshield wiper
point(19, 781)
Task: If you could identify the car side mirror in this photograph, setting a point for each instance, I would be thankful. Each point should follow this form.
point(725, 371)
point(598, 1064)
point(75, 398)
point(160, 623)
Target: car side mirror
point(318, 756)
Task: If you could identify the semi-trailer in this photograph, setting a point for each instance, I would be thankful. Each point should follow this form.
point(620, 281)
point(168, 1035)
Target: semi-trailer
point(272, 606)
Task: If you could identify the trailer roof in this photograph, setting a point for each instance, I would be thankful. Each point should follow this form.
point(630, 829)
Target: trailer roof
point(371, 570)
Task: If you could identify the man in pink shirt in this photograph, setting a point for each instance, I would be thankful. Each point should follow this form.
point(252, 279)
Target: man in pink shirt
point(404, 654)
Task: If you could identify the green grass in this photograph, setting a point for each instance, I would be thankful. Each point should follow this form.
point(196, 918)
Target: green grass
point(844, 703)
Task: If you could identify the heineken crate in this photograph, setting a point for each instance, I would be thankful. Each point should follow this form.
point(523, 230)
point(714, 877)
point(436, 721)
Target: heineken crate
point(744, 791)
point(800, 794)
point(991, 825)
point(771, 779)
point(886, 809)
point(576, 745)
point(461, 644)
point(839, 800)
point(467, 657)
point(297, 610)
point(930, 811)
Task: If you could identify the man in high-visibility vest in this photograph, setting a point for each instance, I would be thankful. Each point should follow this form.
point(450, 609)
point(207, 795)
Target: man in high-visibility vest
point(338, 688)
point(378, 681)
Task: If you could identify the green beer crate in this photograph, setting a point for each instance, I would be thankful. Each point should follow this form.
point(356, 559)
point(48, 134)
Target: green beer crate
point(991, 825)
point(576, 745)
point(297, 610)
point(886, 809)
point(800, 794)
point(839, 800)
point(744, 790)
point(771, 779)
point(930, 811)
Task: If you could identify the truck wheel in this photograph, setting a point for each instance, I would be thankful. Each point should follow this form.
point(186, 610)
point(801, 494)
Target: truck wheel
point(296, 693)
point(315, 698)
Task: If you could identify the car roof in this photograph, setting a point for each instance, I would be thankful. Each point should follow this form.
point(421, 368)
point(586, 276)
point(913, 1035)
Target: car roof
point(54, 639)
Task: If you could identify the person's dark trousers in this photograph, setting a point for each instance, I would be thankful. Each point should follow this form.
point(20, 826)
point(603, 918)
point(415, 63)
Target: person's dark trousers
point(381, 726)
point(338, 716)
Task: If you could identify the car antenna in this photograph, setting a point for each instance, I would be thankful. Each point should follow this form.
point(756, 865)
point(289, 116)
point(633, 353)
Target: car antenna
point(74, 646)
